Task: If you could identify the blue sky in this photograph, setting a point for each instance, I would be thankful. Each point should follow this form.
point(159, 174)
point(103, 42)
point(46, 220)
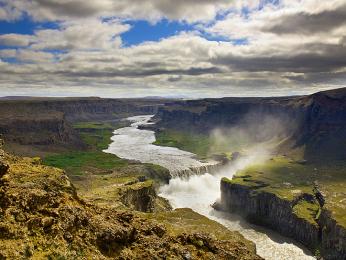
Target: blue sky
point(206, 48)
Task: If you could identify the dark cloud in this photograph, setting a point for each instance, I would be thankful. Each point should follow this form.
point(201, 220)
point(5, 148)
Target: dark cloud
point(138, 72)
point(319, 58)
point(74, 8)
point(306, 23)
point(192, 10)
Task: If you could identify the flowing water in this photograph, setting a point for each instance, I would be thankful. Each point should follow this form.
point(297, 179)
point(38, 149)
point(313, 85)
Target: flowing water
point(136, 144)
point(199, 191)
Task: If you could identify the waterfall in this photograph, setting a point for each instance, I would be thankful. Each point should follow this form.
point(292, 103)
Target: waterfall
point(210, 168)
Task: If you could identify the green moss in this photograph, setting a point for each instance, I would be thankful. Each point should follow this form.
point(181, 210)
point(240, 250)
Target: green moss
point(98, 134)
point(76, 163)
point(195, 143)
point(203, 145)
point(307, 210)
point(287, 178)
point(186, 220)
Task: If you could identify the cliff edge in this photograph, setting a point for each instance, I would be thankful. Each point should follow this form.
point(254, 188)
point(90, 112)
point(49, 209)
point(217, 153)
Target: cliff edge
point(42, 217)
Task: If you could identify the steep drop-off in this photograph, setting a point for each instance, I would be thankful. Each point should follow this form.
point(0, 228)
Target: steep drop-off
point(316, 122)
point(321, 233)
point(37, 129)
point(46, 122)
point(42, 217)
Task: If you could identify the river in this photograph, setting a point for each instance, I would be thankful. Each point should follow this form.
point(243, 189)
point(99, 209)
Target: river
point(199, 191)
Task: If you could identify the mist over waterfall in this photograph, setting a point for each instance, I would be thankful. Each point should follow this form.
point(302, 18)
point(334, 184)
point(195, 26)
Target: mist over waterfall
point(198, 192)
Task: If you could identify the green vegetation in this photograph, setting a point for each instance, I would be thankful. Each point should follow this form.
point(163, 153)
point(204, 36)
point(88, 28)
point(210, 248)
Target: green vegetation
point(195, 143)
point(97, 136)
point(203, 145)
point(182, 220)
point(288, 178)
point(307, 211)
point(100, 177)
point(76, 163)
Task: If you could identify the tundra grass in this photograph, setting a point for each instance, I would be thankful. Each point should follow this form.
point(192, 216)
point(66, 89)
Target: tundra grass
point(287, 178)
point(97, 136)
point(195, 143)
point(184, 219)
point(76, 163)
point(203, 145)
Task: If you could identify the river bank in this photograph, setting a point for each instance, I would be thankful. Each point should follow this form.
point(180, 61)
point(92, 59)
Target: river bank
point(198, 192)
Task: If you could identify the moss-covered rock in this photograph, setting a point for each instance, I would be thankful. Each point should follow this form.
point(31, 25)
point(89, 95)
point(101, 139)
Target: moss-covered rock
point(42, 217)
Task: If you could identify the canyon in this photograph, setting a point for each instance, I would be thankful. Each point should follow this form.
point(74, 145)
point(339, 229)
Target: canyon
point(298, 190)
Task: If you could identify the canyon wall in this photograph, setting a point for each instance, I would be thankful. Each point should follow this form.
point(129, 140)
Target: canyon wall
point(47, 121)
point(316, 122)
point(322, 234)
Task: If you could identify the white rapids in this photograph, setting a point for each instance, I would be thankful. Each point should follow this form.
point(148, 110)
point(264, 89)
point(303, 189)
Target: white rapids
point(200, 191)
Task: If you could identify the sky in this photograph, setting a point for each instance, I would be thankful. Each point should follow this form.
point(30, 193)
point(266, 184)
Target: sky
point(180, 48)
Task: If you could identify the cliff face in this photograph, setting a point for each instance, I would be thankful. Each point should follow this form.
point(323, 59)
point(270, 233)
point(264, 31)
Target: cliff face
point(81, 109)
point(316, 122)
point(333, 237)
point(205, 115)
point(279, 214)
point(47, 121)
point(269, 210)
point(323, 130)
point(29, 129)
point(142, 196)
point(42, 217)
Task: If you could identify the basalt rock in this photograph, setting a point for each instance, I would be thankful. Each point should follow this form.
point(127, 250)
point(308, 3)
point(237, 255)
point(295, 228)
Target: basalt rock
point(316, 122)
point(42, 217)
point(333, 237)
point(268, 209)
point(142, 196)
point(48, 122)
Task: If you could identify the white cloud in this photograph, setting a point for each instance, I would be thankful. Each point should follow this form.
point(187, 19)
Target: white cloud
point(19, 40)
point(277, 58)
point(34, 56)
point(85, 34)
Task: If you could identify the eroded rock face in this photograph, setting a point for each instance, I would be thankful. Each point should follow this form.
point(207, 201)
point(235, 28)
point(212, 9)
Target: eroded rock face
point(3, 169)
point(41, 216)
point(268, 209)
point(317, 122)
point(333, 237)
point(142, 196)
point(47, 121)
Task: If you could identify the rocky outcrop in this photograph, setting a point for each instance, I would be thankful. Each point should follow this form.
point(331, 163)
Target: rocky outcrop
point(321, 234)
point(142, 196)
point(333, 237)
point(323, 129)
point(268, 209)
point(42, 217)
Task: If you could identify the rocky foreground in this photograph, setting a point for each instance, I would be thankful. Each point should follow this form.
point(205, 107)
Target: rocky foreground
point(42, 217)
